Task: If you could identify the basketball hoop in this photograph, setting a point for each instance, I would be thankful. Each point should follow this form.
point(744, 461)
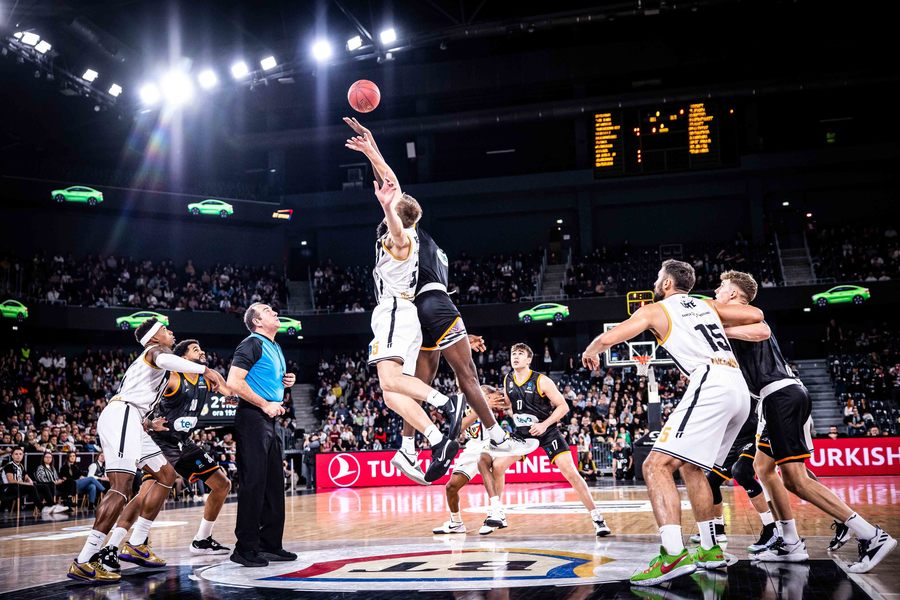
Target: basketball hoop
point(643, 364)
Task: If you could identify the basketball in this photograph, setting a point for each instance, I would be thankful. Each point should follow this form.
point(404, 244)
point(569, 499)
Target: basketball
point(363, 96)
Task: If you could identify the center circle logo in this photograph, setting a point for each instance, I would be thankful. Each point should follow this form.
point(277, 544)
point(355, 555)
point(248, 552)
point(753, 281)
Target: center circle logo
point(344, 470)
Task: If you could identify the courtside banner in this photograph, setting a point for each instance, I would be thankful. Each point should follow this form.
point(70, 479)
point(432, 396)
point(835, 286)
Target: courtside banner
point(855, 456)
point(374, 469)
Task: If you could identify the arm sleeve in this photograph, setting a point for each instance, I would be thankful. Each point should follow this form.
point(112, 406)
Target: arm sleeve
point(170, 362)
point(247, 354)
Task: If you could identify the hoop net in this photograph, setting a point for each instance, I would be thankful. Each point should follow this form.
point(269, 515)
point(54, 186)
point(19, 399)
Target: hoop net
point(643, 364)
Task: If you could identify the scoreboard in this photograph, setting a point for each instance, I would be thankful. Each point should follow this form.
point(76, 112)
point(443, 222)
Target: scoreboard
point(669, 137)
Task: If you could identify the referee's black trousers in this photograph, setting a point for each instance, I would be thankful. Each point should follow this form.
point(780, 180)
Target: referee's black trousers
point(260, 513)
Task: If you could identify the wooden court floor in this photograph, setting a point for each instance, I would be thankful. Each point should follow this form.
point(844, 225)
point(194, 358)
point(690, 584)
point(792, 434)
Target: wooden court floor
point(398, 521)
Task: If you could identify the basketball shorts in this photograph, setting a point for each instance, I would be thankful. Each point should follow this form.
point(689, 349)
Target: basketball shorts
point(442, 325)
point(703, 427)
point(398, 335)
point(744, 446)
point(125, 443)
point(785, 429)
point(467, 462)
point(553, 442)
point(189, 459)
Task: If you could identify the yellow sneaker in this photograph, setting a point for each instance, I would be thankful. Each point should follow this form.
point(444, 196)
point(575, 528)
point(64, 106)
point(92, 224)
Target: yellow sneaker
point(140, 555)
point(91, 572)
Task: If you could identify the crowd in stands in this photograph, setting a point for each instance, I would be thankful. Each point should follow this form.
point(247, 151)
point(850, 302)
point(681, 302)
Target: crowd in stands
point(865, 368)
point(848, 253)
point(615, 271)
point(107, 281)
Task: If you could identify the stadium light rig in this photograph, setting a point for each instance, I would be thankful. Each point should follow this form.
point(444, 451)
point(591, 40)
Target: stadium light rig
point(321, 50)
point(354, 43)
point(43, 46)
point(268, 63)
point(239, 69)
point(149, 94)
point(90, 75)
point(207, 79)
point(115, 90)
point(388, 36)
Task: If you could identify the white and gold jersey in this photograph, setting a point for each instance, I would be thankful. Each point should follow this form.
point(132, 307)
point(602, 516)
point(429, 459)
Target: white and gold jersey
point(143, 384)
point(696, 336)
point(396, 278)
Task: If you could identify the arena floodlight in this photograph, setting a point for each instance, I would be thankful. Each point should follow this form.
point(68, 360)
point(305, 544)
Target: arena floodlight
point(149, 94)
point(268, 63)
point(321, 50)
point(207, 79)
point(176, 87)
point(115, 90)
point(43, 46)
point(388, 36)
point(354, 43)
point(90, 75)
point(18, 35)
point(239, 69)
point(30, 38)
point(785, 203)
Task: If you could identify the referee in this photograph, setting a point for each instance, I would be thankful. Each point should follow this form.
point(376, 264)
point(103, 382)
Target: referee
point(258, 376)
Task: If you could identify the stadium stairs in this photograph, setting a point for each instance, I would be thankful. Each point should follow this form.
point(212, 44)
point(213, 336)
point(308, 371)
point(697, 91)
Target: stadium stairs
point(302, 394)
point(825, 410)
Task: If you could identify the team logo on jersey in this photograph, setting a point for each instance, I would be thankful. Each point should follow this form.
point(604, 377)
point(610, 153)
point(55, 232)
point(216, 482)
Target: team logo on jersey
point(688, 303)
point(442, 257)
point(529, 387)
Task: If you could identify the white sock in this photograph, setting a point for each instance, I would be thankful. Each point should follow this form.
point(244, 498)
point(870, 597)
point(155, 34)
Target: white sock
point(434, 435)
point(205, 529)
point(707, 533)
point(495, 503)
point(766, 518)
point(862, 529)
point(409, 444)
point(789, 532)
point(497, 434)
point(596, 515)
point(671, 539)
point(455, 517)
point(778, 529)
point(719, 521)
point(118, 534)
point(140, 532)
point(435, 398)
point(92, 545)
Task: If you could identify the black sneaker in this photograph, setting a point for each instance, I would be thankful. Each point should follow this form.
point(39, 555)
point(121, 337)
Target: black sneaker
point(249, 559)
point(767, 537)
point(108, 557)
point(280, 555)
point(442, 455)
point(208, 546)
point(841, 536)
point(453, 411)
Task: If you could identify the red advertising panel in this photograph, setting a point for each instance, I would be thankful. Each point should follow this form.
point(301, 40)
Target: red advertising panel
point(372, 469)
point(855, 456)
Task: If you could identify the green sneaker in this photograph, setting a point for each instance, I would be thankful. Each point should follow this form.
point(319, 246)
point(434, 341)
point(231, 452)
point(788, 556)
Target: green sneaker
point(714, 558)
point(665, 567)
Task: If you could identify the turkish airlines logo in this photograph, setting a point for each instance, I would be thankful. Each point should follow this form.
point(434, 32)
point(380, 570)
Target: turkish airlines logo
point(344, 470)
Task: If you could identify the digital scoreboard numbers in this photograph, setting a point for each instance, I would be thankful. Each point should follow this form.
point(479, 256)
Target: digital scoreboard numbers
point(671, 137)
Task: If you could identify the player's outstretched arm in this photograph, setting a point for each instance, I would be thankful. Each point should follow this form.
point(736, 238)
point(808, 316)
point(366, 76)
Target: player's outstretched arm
point(737, 314)
point(757, 332)
point(370, 149)
point(388, 195)
point(642, 320)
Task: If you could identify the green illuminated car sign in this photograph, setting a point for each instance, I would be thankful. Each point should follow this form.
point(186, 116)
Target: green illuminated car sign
point(135, 319)
point(211, 207)
point(289, 326)
point(78, 193)
point(544, 312)
point(13, 309)
point(842, 293)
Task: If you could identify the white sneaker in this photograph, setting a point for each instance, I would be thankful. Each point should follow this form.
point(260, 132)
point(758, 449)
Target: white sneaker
point(872, 551)
point(59, 508)
point(450, 527)
point(781, 551)
point(45, 512)
point(494, 521)
point(408, 464)
point(601, 528)
point(512, 446)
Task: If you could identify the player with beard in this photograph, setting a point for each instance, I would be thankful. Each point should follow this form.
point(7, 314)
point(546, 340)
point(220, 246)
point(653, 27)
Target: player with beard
point(784, 441)
point(181, 404)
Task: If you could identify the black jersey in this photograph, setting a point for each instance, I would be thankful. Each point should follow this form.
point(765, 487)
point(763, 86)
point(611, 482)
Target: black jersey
point(433, 264)
point(761, 363)
point(181, 407)
point(529, 404)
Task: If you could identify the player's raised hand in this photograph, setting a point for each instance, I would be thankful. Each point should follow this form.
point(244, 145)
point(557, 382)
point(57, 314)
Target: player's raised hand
point(477, 343)
point(387, 193)
point(591, 361)
point(360, 143)
point(358, 127)
point(158, 424)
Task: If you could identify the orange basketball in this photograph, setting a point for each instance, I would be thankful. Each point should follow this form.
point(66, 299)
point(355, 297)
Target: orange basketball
point(363, 96)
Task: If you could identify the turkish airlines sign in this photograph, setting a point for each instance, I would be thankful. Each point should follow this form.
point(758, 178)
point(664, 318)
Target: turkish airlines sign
point(374, 469)
point(855, 456)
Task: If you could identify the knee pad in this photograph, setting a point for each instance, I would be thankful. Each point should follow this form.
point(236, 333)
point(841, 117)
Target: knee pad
point(746, 477)
point(715, 484)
